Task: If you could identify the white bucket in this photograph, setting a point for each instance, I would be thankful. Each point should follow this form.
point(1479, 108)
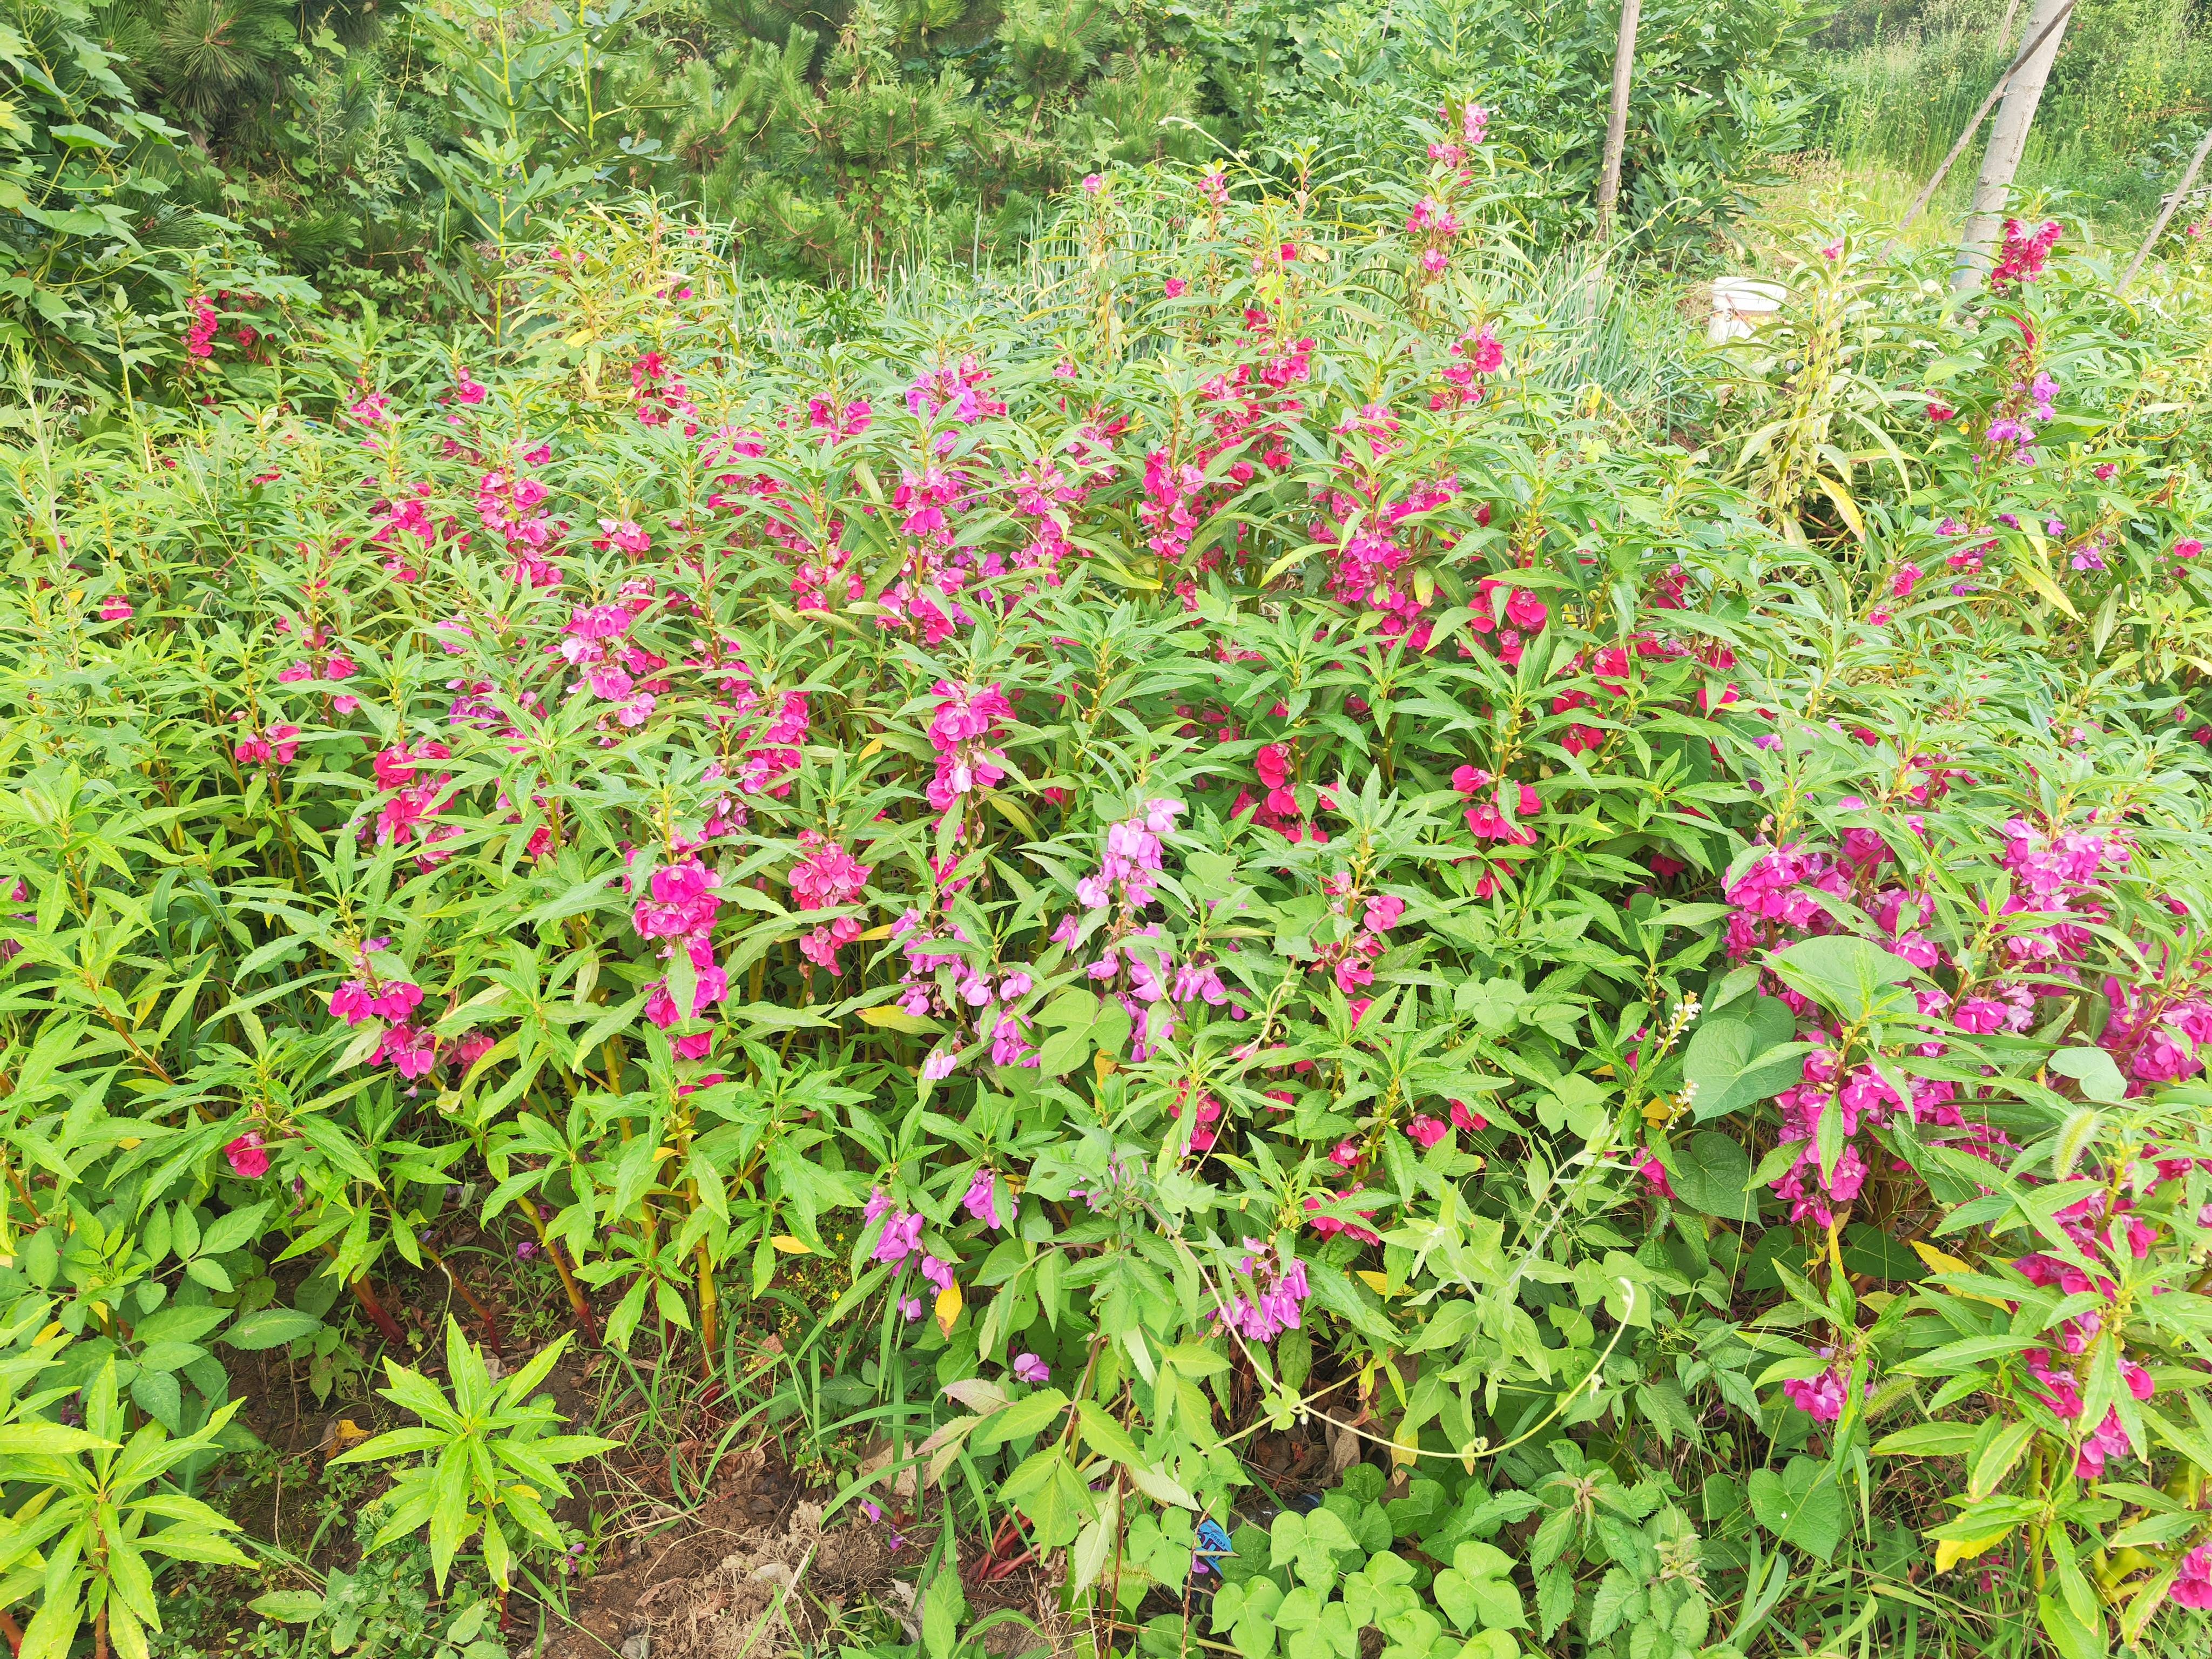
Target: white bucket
point(1740, 304)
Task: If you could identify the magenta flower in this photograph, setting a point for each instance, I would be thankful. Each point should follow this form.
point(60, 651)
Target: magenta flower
point(828, 876)
point(1278, 1292)
point(411, 1050)
point(2193, 1587)
point(902, 1238)
point(980, 1198)
point(248, 1156)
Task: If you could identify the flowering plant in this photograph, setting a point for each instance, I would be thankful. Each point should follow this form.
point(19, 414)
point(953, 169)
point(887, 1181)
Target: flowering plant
point(1257, 887)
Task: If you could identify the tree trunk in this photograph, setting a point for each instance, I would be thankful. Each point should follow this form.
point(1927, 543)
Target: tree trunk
point(1616, 126)
point(2008, 140)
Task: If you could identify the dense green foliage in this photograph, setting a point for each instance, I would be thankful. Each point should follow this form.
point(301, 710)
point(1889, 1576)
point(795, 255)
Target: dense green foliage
point(1047, 749)
point(182, 147)
point(1224, 836)
point(2130, 95)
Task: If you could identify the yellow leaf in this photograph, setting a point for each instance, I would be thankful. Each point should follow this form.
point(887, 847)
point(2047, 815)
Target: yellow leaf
point(896, 1017)
point(1375, 1281)
point(1949, 1552)
point(790, 1246)
point(1104, 1064)
point(340, 1434)
point(948, 1307)
point(47, 1334)
point(1937, 1262)
point(128, 1143)
point(883, 931)
point(2037, 578)
point(874, 746)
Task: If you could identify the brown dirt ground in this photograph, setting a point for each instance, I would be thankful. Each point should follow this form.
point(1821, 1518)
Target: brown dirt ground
point(744, 1569)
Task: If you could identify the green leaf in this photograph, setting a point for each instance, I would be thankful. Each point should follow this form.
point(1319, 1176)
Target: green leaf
point(207, 1271)
point(1476, 1592)
point(1738, 1058)
point(1928, 1440)
point(1048, 1490)
point(272, 1327)
point(1711, 1173)
point(234, 1230)
point(1029, 1415)
point(48, 1440)
point(941, 1609)
point(2094, 1070)
point(161, 1397)
point(294, 1606)
point(1801, 1505)
point(1064, 1050)
point(1866, 1249)
point(1850, 978)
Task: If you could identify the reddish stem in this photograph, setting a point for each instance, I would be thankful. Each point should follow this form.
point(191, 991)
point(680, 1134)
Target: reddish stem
point(475, 1303)
point(579, 1303)
point(365, 1293)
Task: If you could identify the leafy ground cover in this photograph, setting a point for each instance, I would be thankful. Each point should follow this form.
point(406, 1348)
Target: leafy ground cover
point(1210, 924)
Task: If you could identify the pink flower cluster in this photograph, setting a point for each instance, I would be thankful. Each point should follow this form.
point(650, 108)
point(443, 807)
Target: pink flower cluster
point(1131, 860)
point(269, 747)
point(510, 506)
point(982, 999)
point(1278, 809)
point(1246, 404)
point(1501, 811)
point(199, 337)
point(1821, 1398)
point(413, 799)
point(660, 395)
point(1477, 353)
point(960, 732)
point(320, 664)
point(827, 879)
point(2058, 1375)
point(981, 1200)
point(1474, 124)
point(901, 1239)
point(677, 912)
point(2024, 254)
point(1273, 1289)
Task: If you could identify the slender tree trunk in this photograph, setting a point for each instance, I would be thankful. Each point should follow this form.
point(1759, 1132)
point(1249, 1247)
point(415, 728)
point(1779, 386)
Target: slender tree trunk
point(2165, 214)
point(2008, 140)
point(1616, 126)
